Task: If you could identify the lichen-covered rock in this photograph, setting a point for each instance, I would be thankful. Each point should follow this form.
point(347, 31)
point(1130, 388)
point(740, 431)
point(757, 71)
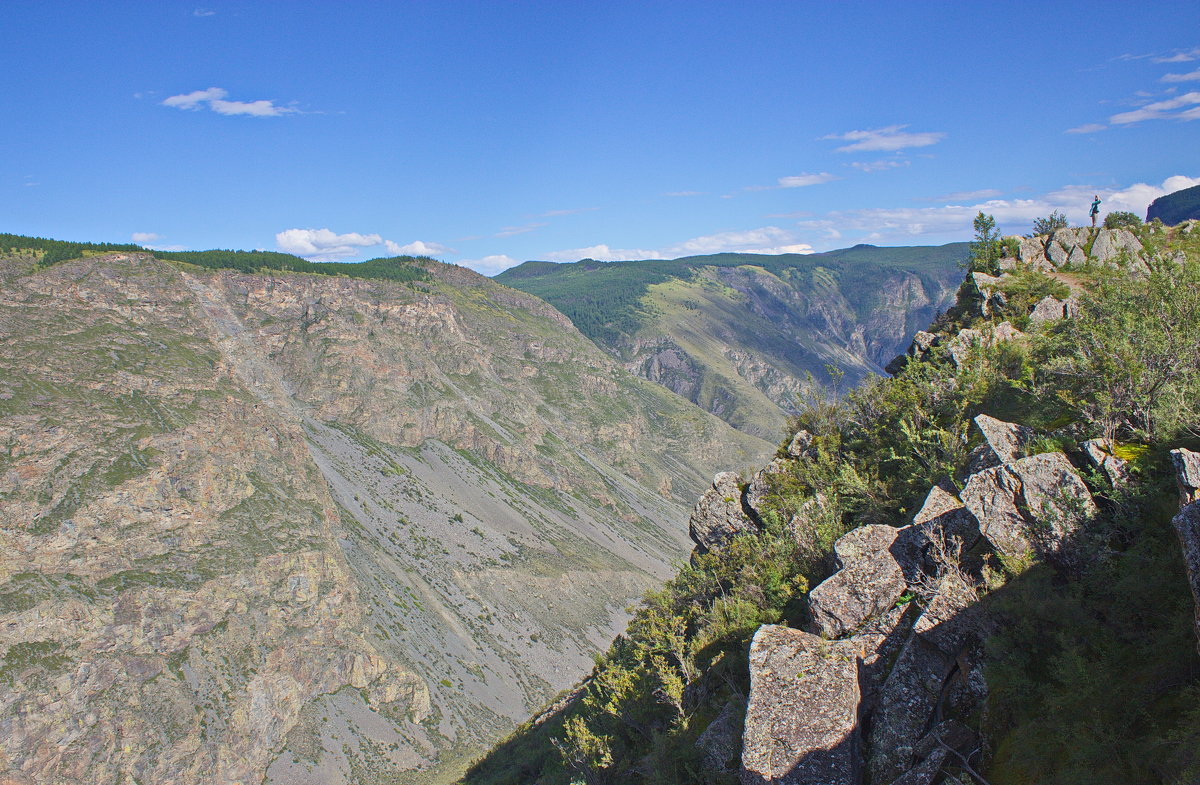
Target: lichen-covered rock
point(802, 717)
point(760, 486)
point(1006, 440)
point(1048, 309)
point(1099, 452)
point(1028, 506)
point(1187, 474)
point(719, 741)
point(990, 294)
point(942, 516)
point(719, 516)
point(1187, 526)
point(1113, 246)
point(801, 445)
point(969, 339)
point(868, 583)
point(910, 696)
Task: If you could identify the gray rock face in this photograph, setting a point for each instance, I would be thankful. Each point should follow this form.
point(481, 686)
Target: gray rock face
point(991, 296)
point(1030, 505)
point(1006, 440)
point(760, 485)
point(1187, 526)
point(910, 696)
point(1033, 252)
point(1187, 474)
point(1048, 309)
point(719, 516)
point(719, 741)
point(961, 345)
point(868, 583)
point(941, 516)
point(1099, 452)
point(802, 717)
point(1113, 246)
point(801, 445)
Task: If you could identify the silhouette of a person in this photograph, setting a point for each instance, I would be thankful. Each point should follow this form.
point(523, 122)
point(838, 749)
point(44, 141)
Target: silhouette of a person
point(1095, 209)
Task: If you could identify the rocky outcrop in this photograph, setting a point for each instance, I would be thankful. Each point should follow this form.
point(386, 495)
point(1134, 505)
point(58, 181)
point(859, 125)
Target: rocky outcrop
point(802, 716)
point(1187, 527)
point(942, 523)
point(868, 582)
point(1078, 246)
point(969, 339)
point(1049, 309)
point(719, 516)
point(759, 487)
point(719, 743)
point(1028, 507)
point(1003, 442)
point(1187, 474)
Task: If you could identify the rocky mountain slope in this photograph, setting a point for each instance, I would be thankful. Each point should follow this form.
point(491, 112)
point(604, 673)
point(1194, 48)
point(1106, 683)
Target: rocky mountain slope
point(738, 333)
point(975, 571)
point(311, 528)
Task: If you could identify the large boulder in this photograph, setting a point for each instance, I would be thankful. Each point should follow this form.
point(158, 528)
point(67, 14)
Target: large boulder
point(991, 296)
point(1006, 441)
point(760, 485)
point(801, 723)
point(1048, 309)
point(911, 695)
point(1114, 246)
point(1028, 506)
point(1187, 526)
point(801, 446)
point(718, 516)
point(941, 518)
point(1187, 474)
point(970, 338)
point(868, 583)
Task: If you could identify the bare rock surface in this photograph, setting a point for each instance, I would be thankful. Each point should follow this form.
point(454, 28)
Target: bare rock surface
point(719, 741)
point(760, 485)
point(802, 717)
point(718, 515)
point(1028, 506)
point(1007, 440)
point(1187, 527)
point(1048, 309)
point(941, 517)
point(869, 581)
point(1187, 474)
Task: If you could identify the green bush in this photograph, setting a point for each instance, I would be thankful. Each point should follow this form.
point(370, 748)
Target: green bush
point(1050, 223)
point(1122, 219)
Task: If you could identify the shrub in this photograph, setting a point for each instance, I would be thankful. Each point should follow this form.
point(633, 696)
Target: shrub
point(1122, 219)
point(1055, 220)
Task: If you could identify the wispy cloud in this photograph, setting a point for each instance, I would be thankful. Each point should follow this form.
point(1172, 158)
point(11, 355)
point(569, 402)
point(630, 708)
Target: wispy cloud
point(1182, 56)
point(764, 240)
point(881, 165)
point(323, 245)
point(1190, 76)
point(1163, 110)
point(141, 238)
point(204, 12)
point(887, 139)
point(214, 98)
point(907, 224)
point(510, 231)
point(806, 179)
point(416, 248)
point(1086, 128)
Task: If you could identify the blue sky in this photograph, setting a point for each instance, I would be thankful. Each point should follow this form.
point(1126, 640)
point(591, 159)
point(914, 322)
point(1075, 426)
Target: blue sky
point(488, 133)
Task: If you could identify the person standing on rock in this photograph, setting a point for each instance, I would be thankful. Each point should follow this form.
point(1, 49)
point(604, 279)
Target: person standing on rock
point(1095, 209)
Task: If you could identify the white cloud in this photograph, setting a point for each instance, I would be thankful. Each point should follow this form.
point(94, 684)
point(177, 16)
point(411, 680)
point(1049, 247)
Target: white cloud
point(1185, 56)
point(1086, 128)
point(490, 265)
point(906, 224)
point(509, 231)
point(1190, 76)
point(141, 238)
point(193, 99)
point(203, 12)
point(880, 165)
point(764, 240)
point(1161, 110)
point(805, 179)
point(214, 99)
point(888, 139)
point(322, 245)
point(416, 248)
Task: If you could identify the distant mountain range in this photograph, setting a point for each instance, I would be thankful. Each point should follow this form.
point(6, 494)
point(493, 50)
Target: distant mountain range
point(1175, 208)
point(738, 333)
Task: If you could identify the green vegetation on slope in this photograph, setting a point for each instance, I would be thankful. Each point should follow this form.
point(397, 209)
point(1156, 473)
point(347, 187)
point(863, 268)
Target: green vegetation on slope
point(1093, 675)
point(397, 268)
point(603, 299)
point(1176, 207)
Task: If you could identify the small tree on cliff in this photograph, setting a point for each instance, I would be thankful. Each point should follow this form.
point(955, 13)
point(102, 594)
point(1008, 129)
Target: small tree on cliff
point(986, 247)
